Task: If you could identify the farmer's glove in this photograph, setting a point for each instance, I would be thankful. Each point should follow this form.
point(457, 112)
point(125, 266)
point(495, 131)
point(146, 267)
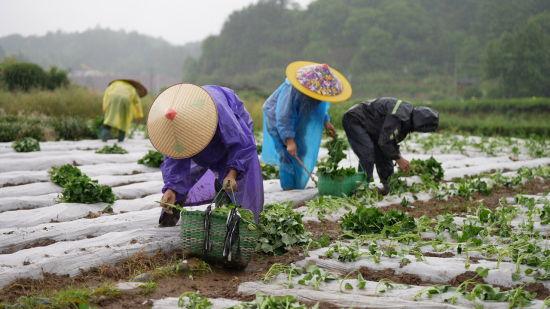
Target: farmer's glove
point(403, 164)
point(291, 147)
point(168, 197)
point(229, 182)
point(331, 131)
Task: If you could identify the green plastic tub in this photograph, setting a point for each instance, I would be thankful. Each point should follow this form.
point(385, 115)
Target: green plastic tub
point(339, 186)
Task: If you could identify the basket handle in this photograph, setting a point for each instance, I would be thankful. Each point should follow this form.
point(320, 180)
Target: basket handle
point(231, 234)
point(207, 245)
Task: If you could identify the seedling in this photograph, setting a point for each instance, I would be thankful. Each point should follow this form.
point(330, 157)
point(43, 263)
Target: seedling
point(115, 149)
point(152, 159)
point(27, 144)
point(193, 300)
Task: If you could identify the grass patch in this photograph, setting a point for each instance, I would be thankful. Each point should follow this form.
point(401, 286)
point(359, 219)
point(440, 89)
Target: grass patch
point(69, 101)
point(148, 288)
point(68, 113)
point(66, 298)
point(13, 127)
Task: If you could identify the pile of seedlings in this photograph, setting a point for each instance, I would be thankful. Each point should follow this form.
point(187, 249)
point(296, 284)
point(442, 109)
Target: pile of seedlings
point(79, 187)
point(329, 167)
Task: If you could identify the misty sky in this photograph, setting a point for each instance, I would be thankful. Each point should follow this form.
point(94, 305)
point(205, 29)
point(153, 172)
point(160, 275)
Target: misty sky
point(177, 21)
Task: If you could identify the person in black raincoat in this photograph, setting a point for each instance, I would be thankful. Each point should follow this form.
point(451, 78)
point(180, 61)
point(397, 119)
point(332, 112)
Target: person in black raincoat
point(375, 128)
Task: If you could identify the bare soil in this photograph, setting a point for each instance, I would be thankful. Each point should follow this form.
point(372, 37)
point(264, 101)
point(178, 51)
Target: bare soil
point(389, 274)
point(437, 254)
point(39, 243)
point(459, 205)
point(538, 288)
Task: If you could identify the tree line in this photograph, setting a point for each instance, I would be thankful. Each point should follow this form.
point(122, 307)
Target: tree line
point(422, 48)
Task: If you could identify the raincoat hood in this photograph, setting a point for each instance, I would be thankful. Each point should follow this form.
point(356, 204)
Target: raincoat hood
point(424, 119)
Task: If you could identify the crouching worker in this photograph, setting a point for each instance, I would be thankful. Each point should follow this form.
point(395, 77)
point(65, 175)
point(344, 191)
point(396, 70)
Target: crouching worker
point(121, 104)
point(375, 128)
point(207, 137)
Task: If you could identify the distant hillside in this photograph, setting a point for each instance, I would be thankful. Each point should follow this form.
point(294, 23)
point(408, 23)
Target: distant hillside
point(414, 49)
point(96, 55)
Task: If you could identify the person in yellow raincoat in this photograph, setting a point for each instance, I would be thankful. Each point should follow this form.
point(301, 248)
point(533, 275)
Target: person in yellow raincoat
point(121, 104)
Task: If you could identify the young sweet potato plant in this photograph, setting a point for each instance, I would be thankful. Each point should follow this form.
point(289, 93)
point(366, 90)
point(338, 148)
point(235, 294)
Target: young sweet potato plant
point(152, 159)
point(27, 144)
point(280, 229)
point(115, 149)
point(61, 175)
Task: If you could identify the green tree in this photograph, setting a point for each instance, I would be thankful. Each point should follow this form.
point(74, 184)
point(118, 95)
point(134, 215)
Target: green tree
point(23, 76)
point(386, 47)
point(56, 78)
point(520, 60)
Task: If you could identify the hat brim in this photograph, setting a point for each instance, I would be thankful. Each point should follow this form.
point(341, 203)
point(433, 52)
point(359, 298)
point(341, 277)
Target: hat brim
point(193, 126)
point(293, 68)
point(140, 89)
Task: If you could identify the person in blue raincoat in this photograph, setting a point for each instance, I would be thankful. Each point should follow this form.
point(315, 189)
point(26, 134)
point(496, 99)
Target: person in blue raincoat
point(294, 117)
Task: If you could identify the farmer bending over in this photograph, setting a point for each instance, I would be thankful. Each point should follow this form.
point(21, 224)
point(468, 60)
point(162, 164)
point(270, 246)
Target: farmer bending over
point(294, 117)
point(374, 129)
point(121, 104)
point(207, 137)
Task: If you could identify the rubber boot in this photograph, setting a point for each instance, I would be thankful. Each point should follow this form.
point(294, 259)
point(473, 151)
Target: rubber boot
point(121, 135)
point(105, 133)
point(384, 190)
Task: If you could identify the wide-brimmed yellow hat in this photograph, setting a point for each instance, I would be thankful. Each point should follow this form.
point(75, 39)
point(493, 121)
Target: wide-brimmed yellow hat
point(319, 81)
point(140, 89)
point(182, 121)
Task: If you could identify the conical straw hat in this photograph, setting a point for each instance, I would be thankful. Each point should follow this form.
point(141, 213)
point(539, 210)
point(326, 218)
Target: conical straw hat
point(140, 89)
point(319, 81)
point(182, 121)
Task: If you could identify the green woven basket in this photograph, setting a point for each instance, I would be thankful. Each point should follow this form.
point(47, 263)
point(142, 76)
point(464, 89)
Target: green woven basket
point(193, 234)
point(339, 186)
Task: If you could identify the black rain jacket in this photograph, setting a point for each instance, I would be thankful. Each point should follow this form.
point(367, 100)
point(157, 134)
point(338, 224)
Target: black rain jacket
point(389, 120)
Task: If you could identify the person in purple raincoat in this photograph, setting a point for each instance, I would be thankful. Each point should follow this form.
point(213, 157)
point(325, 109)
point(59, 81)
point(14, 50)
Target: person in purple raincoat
point(223, 158)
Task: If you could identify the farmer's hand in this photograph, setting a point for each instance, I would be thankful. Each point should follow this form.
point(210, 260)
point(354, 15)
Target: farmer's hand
point(291, 147)
point(230, 182)
point(331, 131)
point(168, 197)
point(403, 164)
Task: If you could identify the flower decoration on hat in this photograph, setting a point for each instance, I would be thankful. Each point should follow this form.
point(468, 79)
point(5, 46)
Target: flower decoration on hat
point(319, 79)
